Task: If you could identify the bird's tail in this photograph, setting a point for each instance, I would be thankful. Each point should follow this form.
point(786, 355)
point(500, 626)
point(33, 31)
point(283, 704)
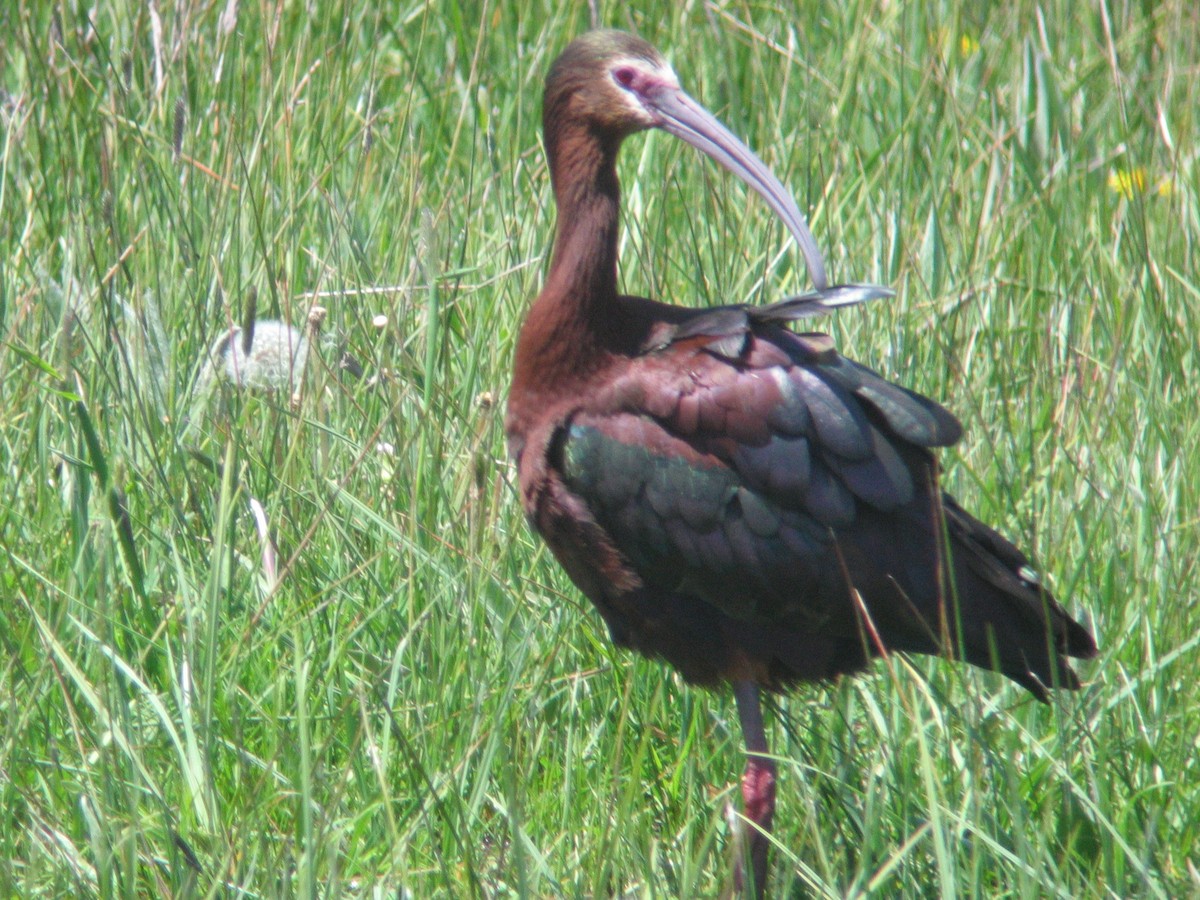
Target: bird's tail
point(1007, 620)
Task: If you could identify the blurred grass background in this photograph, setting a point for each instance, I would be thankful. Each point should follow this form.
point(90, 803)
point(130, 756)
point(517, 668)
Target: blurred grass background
point(414, 701)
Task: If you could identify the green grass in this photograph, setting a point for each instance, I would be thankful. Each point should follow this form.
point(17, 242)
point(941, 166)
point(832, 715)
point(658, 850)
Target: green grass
point(419, 703)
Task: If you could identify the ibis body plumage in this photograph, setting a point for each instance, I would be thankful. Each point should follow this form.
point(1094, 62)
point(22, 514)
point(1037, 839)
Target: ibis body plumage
point(737, 498)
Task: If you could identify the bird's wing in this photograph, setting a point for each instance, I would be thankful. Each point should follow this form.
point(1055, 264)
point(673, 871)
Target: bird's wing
point(724, 457)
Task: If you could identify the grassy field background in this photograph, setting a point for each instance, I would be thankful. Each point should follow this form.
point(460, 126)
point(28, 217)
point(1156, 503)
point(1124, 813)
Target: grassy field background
point(414, 701)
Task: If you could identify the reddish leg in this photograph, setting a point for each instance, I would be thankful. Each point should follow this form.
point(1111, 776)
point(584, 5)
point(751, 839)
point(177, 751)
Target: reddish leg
point(758, 789)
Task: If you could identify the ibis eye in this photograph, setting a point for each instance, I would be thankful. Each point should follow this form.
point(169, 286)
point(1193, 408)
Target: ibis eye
point(625, 76)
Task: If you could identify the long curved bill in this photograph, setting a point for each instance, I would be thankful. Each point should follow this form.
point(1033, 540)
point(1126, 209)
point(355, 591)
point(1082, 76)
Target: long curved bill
point(689, 121)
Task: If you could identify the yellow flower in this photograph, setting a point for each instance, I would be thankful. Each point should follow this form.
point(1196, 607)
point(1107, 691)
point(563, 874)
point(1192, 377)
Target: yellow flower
point(968, 45)
point(1128, 182)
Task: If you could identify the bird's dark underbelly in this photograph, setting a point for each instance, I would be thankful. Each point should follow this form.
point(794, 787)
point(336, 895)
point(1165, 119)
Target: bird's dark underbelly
point(703, 643)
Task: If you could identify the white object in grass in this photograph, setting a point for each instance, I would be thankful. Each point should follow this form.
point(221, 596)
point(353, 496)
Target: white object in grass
point(274, 360)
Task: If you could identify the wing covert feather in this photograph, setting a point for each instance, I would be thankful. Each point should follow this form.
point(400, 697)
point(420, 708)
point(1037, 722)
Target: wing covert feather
point(735, 468)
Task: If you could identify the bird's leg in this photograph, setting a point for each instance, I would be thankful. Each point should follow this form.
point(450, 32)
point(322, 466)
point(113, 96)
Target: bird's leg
point(758, 789)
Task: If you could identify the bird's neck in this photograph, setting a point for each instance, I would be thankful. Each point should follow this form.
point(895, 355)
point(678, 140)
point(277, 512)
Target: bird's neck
point(583, 264)
point(573, 323)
